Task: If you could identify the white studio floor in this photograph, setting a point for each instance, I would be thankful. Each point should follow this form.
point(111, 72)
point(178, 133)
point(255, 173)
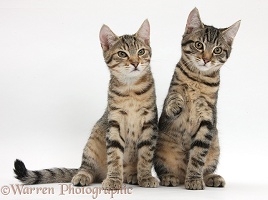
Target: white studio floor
point(66, 191)
point(53, 86)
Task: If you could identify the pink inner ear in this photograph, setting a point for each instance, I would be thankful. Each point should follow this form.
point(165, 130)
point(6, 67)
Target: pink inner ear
point(104, 42)
point(230, 32)
point(107, 37)
point(193, 21)
point(144, 32)
point(103, 37)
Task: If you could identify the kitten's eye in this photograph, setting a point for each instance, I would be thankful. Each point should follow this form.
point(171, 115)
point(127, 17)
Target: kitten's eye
point(199, 45)
point(141, 52)
point(122, 54)
point(217, 50)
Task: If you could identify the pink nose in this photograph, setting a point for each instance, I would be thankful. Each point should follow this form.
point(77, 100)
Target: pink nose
point(135, 64)
point(206, 60)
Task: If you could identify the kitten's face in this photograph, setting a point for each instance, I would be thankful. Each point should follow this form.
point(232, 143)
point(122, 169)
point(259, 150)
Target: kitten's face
point(127, 56)
point(206, 48)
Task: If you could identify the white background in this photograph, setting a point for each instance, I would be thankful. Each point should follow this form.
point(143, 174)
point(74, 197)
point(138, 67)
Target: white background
point(53, 85)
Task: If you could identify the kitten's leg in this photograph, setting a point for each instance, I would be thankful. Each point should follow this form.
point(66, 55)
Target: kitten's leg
point(146, 147)
point(115, 151)
point(211, 179)
point(130, 163)
point(94, 164)
point(199, 149)
point(169, 162)
point(130, 173)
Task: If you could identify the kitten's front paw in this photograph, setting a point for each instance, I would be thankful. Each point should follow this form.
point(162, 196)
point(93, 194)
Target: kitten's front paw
point(151, 182)
point(214, 180)
point(169, 180)
point(131, 179)
point(112, 184)
point(174, 107)
point(82, 179)
point(194, 184)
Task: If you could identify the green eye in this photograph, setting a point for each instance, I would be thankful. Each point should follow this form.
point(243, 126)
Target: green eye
point(141, 52)
point(199, 45)
point(122, 54)
point(217, 50)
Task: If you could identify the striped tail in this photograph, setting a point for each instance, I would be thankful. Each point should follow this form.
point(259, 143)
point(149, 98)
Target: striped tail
point(54, 175)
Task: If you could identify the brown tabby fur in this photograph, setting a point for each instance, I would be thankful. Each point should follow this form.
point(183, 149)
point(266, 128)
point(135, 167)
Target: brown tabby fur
point(188, 147)
point(122, 143)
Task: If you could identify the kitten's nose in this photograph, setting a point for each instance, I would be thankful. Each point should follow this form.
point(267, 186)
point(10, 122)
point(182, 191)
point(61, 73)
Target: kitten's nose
point(135, 64)
point(206, 57)
point(206, 60)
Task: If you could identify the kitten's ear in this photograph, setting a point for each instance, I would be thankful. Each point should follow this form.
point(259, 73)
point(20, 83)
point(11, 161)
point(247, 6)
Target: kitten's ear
point(230, 33)
point(107, 38)
point(144, 32)
point(193, 21)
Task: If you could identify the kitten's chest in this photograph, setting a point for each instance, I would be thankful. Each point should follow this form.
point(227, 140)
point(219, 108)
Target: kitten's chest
point(196, 91)
point(132, 112)
point(136, 112)
point(133, 121)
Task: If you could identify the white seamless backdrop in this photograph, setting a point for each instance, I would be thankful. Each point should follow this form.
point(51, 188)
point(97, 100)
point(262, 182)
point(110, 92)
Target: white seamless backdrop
point(53, 85)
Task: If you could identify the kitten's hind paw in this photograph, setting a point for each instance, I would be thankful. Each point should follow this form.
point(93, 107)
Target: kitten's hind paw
point(112, 184)
point(82, 179)
point(194, 184)
point(151, 182)
point(169, 180)
point(214, 180)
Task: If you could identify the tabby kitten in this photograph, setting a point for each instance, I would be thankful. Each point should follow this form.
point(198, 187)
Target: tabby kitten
point(122, 143)
point(188, 148)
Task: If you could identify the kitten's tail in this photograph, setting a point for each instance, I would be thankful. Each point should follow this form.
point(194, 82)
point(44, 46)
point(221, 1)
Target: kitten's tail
point(54, 175)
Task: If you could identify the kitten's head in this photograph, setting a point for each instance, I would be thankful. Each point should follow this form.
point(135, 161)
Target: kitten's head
point(127, 56)
point(206, 48)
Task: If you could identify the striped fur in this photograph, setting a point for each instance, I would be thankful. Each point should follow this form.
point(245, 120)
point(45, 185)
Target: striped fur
point(188, 150)
point(29, 177)
point(122, 143)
